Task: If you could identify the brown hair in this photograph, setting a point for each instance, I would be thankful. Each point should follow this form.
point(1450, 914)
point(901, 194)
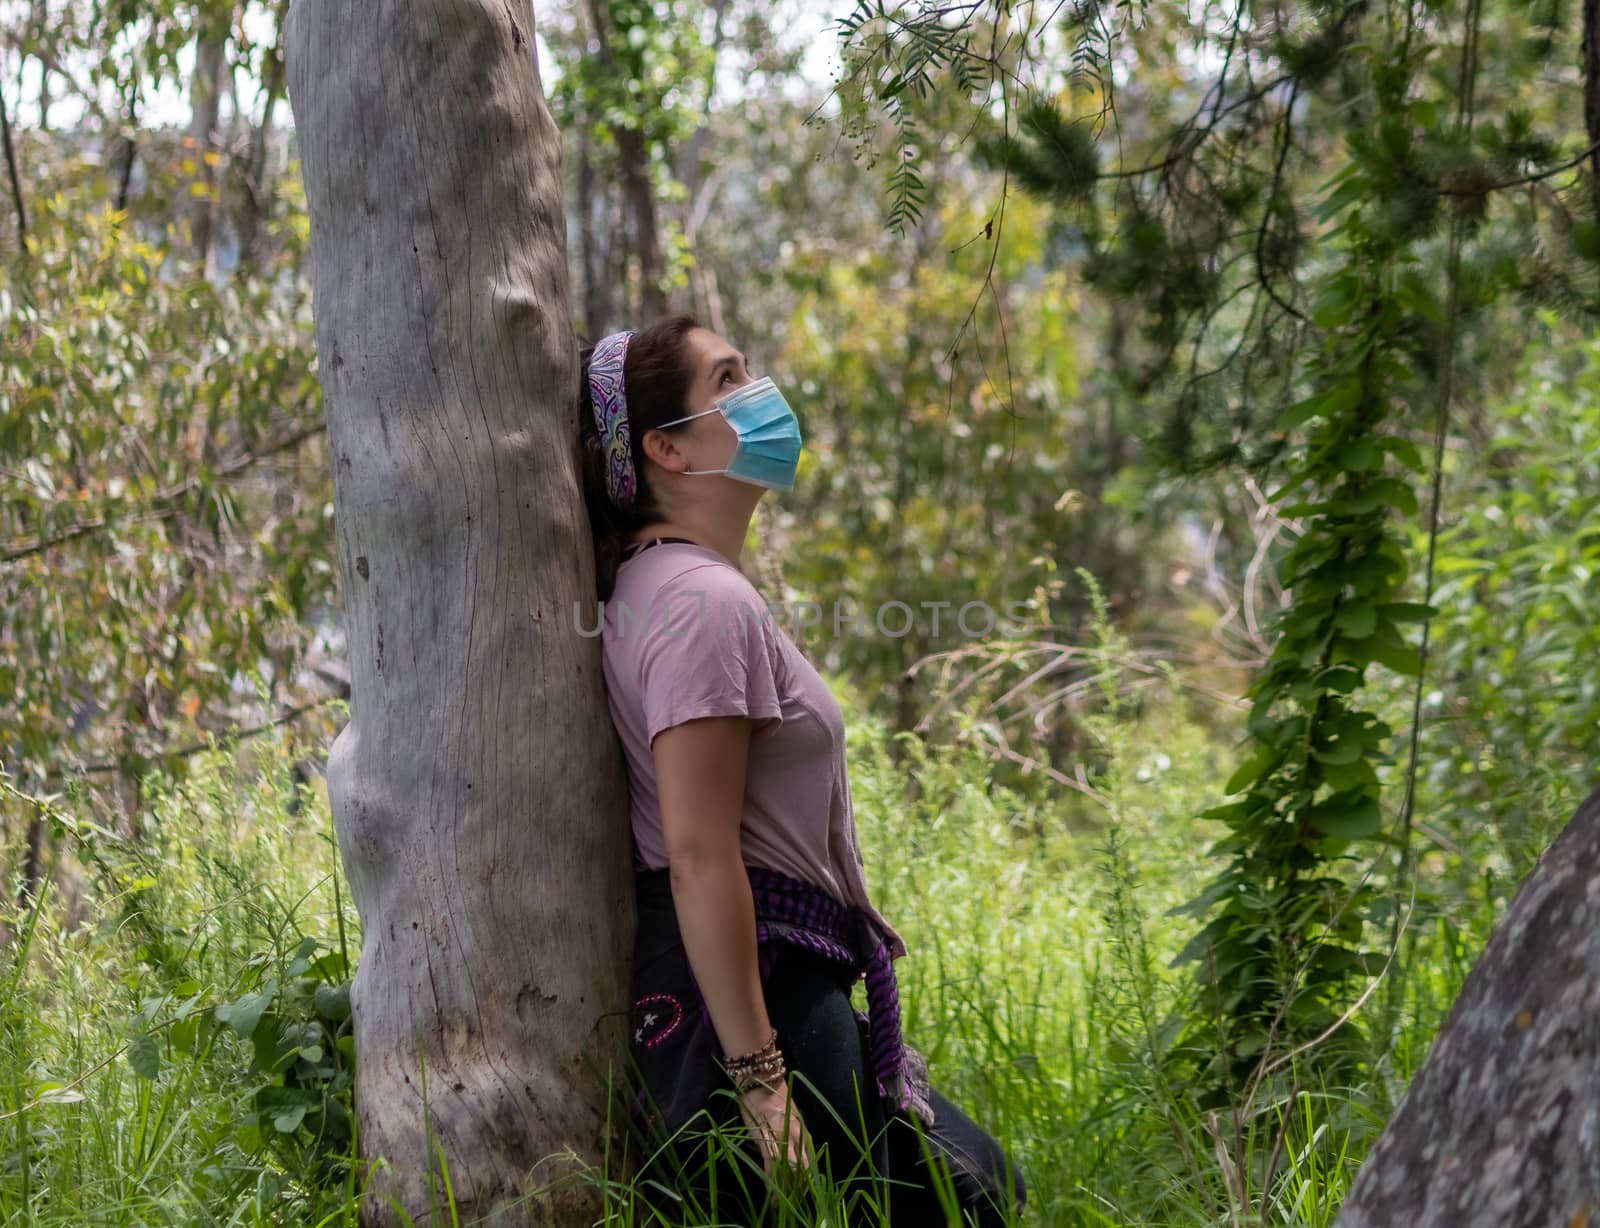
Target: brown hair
point(655, 381)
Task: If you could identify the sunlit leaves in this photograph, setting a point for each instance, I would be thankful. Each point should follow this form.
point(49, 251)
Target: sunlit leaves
point(141, 407)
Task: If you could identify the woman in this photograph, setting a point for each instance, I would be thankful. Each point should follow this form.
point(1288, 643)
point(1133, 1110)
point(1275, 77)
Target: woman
point(754, 919)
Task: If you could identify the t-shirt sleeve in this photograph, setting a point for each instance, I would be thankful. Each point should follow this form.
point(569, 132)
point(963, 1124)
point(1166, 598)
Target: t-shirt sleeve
point(711, 650)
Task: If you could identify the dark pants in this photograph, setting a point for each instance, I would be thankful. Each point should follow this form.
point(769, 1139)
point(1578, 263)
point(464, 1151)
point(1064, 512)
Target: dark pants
point(876, 1160)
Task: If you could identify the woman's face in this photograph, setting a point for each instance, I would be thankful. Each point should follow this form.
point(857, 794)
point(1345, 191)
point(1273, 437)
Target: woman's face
point(716, 370)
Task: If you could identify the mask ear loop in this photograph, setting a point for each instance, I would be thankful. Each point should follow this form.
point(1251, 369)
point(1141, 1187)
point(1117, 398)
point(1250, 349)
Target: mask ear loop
point(697, 473)
point(715, 409)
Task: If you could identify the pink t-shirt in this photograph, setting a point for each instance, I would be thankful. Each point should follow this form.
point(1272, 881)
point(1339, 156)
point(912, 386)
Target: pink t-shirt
point(687, 635)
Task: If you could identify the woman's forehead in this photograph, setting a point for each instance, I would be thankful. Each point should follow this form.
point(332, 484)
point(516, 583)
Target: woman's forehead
point(708, 348)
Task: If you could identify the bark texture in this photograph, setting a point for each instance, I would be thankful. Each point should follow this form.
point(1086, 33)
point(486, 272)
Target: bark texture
point(1501, 1128)
point(205, 91)
point(633, 157)
point(1591, 86)
point(478, 793)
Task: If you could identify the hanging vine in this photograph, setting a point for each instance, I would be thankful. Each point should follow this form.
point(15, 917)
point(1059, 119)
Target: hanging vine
point(1288, 928)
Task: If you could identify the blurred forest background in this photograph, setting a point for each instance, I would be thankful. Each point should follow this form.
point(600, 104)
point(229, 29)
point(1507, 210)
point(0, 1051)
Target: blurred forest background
point(1251, 342)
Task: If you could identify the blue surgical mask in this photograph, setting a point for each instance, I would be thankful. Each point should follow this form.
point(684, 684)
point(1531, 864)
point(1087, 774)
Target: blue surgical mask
point(768, 450)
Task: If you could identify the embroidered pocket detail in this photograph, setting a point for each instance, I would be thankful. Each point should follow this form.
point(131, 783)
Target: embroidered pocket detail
point(656, 1017)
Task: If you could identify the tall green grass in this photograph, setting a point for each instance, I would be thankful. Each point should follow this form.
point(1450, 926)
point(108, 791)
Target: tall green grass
point(1038, 985)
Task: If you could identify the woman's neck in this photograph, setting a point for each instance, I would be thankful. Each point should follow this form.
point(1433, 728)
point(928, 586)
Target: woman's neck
point(727, 540)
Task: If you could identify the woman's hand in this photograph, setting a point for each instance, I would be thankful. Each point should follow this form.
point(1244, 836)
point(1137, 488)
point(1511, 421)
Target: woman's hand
point(774, 1120)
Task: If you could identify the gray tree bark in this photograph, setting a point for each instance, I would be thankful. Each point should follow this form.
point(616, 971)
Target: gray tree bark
point(1591, 84)
point(633, 157)
point(257, 185)
point(205, 100)
point(1501, 1127)
point(477, 792)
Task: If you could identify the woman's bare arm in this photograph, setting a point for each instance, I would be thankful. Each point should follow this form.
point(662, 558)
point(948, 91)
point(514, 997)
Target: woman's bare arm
point(700, 778)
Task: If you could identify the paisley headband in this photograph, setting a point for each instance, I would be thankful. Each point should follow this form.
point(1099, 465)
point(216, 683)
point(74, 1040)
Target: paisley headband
point(611, 416)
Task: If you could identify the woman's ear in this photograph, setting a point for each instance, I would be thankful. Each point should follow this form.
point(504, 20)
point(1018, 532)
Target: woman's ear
point(659, 447)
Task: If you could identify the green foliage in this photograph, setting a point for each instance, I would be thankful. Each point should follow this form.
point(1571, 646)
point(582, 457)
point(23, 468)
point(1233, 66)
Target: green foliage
point(174, 1043)
point(142, 562)
point(302, 1061)
point(1513, 711)
point(652, 77)
point(1051, 156)
point(1233, 262)
point(640, 72)
point(132, 45)
point(890, 463)
point(899, 59)
point(1036, 984)
point(1285, 936)
point(1247, 296)
point(893, 60)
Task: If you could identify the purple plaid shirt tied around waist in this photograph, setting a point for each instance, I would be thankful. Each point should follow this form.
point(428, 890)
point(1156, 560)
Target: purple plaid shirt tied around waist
point(788, 912)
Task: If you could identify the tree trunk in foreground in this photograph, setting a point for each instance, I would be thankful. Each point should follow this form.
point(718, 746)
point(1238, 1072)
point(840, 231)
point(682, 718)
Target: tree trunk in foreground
point(1501, 1128)
point(477, 792)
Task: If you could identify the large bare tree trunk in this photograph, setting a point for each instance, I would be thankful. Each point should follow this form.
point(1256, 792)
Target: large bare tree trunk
point(477, 792)
point(1501, 1128)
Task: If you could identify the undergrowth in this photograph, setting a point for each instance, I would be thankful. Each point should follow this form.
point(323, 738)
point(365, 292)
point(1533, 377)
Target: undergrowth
point(174, 1035)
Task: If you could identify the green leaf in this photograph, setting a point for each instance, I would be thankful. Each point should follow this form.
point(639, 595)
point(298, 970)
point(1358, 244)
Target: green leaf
point(1340, 679)
point(301, 962)
point(1357, 620)
point(1397, 494)
point(1339, 399)
point(1404, 451)
point(1356, 774)
point(248, 1135)
point(1345, 750)
point(1350, 191)
point(144, 1055)
point(243, 1015)
point(184, 1034)
point(1358, 455)
point(1346, 816)
point(332, 1002)
point(1450, 564)
point(1403, 658)
point(288, 1121)
point(1251, 770)
point(1407, 611)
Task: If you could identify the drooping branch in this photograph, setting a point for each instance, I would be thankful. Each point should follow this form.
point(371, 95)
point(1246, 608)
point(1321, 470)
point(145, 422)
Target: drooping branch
point(194, 748)
point(163, 503)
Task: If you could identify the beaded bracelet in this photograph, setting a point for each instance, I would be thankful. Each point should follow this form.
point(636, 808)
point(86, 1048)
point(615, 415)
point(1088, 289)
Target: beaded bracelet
point(759, 1069)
